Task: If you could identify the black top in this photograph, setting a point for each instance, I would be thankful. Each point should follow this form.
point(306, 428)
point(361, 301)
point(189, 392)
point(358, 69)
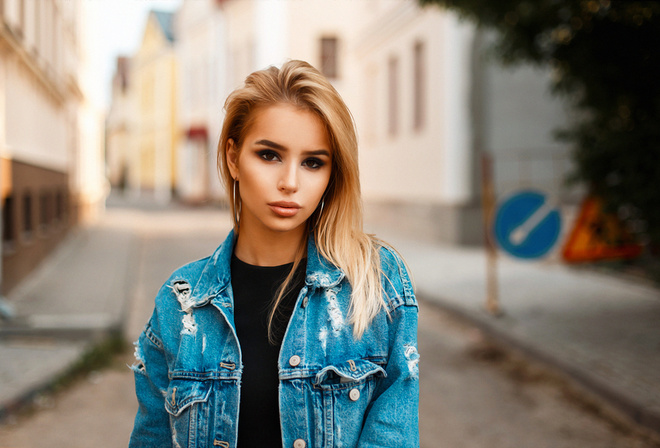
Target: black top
point(255, 288)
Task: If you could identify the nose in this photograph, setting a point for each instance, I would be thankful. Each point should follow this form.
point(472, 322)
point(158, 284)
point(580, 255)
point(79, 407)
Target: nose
point(289, 179)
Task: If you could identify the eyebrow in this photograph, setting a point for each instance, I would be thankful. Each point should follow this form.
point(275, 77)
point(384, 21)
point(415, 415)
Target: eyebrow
point(277, 146)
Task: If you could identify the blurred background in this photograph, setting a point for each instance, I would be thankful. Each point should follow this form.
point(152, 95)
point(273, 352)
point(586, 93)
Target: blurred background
point(110, 109)
point(129, 95)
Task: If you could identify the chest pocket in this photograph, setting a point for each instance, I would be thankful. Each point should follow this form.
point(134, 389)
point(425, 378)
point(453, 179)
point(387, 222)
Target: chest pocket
point(186, 401)
point(347, 374)
point(182, 394)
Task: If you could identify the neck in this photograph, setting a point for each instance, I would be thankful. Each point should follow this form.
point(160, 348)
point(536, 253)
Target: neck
point(260, 248)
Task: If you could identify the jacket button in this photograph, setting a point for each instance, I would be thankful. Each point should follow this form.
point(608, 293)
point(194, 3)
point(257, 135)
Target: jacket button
point(293, 362)
point(354, 394)
point(299, 443)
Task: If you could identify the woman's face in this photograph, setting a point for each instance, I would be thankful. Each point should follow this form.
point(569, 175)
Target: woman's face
point(283, 168)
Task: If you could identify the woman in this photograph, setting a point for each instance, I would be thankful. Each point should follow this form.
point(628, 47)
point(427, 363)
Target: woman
point(300, 330)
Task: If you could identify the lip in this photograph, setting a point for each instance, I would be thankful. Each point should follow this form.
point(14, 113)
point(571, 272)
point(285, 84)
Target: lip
point(284, 208)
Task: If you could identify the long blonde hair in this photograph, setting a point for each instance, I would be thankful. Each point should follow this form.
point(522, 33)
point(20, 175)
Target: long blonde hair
point(337, 228)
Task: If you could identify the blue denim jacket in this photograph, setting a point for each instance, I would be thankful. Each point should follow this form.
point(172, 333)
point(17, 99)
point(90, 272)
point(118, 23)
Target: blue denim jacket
point(334, 390)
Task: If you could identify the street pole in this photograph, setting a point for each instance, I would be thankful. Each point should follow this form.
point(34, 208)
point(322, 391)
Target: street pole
point(488, 204)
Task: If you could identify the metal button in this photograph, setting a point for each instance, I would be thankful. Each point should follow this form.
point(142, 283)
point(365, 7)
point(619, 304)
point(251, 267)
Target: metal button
point(299, 443)
point(294, 361)
point(354, 394)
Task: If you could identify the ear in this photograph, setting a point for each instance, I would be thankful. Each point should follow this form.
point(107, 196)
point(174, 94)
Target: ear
point(232, 158)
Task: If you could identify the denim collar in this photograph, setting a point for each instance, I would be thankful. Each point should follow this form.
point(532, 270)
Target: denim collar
point(216, 275)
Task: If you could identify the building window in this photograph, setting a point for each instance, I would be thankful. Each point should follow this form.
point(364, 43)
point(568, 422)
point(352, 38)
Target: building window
point(28, 216)
point(330, 57)
point(419, 87)
point(8, 226)
point(393, 96)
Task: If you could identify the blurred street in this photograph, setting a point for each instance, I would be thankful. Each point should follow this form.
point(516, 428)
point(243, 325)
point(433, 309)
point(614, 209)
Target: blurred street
point(473, 393)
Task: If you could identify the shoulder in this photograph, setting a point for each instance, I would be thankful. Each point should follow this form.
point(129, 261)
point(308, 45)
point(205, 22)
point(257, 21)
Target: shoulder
point(195, 283)
point(185, 277)
point(395, 278)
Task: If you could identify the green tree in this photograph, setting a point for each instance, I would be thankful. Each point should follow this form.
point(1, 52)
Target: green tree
point(605, 57)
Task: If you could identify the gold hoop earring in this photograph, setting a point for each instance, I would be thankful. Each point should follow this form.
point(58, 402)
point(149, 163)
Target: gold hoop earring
point(237, 206)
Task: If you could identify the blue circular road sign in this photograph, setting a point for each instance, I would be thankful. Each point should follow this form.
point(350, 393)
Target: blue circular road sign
point(527, 225)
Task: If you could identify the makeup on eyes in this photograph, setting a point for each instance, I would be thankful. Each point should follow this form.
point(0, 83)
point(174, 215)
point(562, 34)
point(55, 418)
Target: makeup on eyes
point(314, 161)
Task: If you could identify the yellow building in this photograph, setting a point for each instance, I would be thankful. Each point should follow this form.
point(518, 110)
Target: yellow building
point(152, 169)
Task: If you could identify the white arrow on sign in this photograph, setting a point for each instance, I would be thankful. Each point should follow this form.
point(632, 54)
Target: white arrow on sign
point(520, 233)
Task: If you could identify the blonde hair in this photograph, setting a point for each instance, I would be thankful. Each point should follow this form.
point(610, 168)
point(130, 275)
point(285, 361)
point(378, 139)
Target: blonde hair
point(337, 229)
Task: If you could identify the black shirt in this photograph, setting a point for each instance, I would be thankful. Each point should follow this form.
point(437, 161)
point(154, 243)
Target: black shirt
point(255, 289)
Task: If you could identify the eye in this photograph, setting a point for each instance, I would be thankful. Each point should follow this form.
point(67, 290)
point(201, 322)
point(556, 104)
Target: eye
point(268, 155)
point(313, 163)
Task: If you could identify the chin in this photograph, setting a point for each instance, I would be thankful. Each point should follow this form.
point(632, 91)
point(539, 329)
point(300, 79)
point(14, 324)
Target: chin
point(285, 226)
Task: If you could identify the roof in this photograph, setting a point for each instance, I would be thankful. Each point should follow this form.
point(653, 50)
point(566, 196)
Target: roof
point(166, 21)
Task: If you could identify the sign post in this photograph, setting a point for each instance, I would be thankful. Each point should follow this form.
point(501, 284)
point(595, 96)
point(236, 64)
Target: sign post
point(488, 202)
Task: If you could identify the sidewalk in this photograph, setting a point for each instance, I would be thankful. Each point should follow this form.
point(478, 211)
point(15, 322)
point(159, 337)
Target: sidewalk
point(73, 300)
point(602, 331)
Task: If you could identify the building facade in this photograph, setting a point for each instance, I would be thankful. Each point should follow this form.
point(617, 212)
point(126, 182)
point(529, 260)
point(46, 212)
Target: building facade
point(201, 53)
point(431, 106)
point(154, 75)
point(47, 131)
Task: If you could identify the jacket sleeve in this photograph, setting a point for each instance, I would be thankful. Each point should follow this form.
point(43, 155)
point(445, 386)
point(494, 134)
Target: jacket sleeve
point(152, 426)
point(392, 418)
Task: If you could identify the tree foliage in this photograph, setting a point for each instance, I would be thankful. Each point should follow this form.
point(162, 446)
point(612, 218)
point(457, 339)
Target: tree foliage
point(605, 57)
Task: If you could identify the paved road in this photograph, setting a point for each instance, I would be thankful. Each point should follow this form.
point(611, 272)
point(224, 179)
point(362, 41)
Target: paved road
point(472, 394)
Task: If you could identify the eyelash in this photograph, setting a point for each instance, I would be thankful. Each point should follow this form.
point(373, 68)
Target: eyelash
point(270, 156)
point(314, 163)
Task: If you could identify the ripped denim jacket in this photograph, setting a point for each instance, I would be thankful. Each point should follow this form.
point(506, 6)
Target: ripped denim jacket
point(335, 391)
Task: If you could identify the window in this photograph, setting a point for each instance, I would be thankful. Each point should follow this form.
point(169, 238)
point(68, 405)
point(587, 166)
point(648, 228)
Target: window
point(393, 96)
point(419, 87)
point(8, 227)
point(28, 218)
point(330, 57)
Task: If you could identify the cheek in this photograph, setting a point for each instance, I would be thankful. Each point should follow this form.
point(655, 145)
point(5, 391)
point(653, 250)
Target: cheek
point(252, 185)
point(318, 185)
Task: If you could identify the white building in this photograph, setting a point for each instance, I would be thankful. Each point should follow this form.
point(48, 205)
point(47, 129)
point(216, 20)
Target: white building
point(201, 52)
point(431, 103)
point(50, 140)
